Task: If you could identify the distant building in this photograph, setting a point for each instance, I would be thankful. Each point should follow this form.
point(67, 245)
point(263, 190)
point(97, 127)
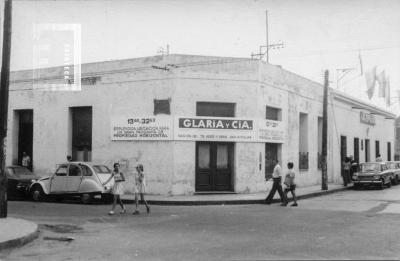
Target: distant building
point(196, 123)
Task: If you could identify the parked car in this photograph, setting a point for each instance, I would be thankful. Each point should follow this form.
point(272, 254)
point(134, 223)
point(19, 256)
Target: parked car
point(81, 179)
point(394, 166)
point(373, 173)
point(19, 181)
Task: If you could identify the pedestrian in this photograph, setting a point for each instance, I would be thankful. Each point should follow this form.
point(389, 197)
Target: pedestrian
point(346, 171)
point(353, 167)
point(276, 186)
point(290, 184)
point(379, 158)
point(117, 190)
point(69, 158)
point(140, 188)
point(26, 160)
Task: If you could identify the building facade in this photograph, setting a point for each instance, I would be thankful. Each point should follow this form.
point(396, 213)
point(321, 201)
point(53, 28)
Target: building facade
point(196, 123)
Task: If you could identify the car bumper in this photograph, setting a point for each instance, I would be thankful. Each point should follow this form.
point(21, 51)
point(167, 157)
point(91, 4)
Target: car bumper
point(367, 181)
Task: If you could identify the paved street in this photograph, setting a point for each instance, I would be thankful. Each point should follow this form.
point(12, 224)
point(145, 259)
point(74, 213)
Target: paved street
point(347, 225)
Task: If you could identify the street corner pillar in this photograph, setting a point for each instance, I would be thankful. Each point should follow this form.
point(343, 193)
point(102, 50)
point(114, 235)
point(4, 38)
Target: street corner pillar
point(4, 87)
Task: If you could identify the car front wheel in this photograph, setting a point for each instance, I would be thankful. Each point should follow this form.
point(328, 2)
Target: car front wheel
point(37, 193)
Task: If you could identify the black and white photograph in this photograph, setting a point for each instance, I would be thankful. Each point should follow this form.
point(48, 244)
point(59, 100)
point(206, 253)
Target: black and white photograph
point(240, 130)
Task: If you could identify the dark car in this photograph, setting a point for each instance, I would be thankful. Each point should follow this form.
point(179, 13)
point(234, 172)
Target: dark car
point(373, 173)
point(394, 166)
point(19, 181)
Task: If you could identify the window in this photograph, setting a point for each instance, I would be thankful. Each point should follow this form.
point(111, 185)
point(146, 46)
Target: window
point(74, 171)
point(215, 109)
point(162, 107)
point(389, 151)
point(62, 170)
point(377, 153)
point(86, 170)
point(273, 113)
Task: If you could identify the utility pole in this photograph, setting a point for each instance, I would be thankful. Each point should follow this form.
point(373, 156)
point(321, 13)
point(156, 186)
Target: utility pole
point(4, 83)
point(324, 183)
point(266, 35)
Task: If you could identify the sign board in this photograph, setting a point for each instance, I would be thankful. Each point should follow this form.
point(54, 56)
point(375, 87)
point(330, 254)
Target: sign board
point(142, 128)
point(367, 118)
point(271, 131)
point(214, 129)
point(197, 129)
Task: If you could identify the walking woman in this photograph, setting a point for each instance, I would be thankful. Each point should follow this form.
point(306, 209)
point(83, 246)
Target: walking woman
point(140, 187)
point(117, 190)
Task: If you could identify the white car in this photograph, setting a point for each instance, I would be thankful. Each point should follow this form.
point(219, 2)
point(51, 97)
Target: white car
point(82, 179)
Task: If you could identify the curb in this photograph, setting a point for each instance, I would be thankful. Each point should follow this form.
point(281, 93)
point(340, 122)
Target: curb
point(17, 242)
point(230, 202)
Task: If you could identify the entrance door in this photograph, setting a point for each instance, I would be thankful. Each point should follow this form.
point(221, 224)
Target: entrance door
point(343, 152)
point(367, 157)
point(25, 135)
point(271, 153)
point(214, 166)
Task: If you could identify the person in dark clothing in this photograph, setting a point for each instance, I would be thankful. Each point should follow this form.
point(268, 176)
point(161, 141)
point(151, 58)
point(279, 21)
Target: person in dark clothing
point(276, 186)
point(346, 171)
point(353, 167)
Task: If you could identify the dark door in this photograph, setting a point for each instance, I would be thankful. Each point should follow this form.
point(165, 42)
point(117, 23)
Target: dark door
point(25, 135)
point(214, 166)
point(367, 159)
point(271, 153)
point(343, 151)
point(356, 150)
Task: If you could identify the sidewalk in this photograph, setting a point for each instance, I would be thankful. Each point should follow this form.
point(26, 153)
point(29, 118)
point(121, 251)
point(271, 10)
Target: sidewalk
point(231, 199)
point(16, 232)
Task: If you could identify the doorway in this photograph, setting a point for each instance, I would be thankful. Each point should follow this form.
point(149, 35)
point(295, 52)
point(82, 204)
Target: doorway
point(81, 133)
point(367, 157)
point(214, 161)
point(271, 153)
point(25, 135)
point(343, 152)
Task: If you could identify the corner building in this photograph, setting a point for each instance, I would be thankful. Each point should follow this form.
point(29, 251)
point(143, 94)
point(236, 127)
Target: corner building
point(196, 123)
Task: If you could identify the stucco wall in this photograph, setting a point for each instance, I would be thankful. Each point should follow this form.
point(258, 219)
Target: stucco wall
point(129, 87)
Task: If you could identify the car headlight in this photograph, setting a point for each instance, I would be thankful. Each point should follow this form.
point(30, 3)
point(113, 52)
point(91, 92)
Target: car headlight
point(377, 177)
point(33, 180)
point(355, 177)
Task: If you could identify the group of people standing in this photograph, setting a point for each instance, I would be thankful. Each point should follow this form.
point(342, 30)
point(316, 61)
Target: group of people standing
point(290, 185)
point(118, 190)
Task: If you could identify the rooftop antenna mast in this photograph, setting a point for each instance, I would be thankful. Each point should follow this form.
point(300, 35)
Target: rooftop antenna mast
point(264, 49)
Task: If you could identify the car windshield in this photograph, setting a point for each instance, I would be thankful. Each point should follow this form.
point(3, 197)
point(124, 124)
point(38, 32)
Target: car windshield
point(101, 169)
point(22, 171)
point(370, 167)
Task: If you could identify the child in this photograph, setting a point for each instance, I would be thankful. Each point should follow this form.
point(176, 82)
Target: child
point(117, 190)
point(140, 185)
point(290, 185)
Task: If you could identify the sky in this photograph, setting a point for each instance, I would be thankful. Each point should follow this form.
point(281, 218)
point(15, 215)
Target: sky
point(317, 35)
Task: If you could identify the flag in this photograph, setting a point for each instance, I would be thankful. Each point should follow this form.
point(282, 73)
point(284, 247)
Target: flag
point(387, 92)
point(382, 84)
point(361, 65)
point(370, 78)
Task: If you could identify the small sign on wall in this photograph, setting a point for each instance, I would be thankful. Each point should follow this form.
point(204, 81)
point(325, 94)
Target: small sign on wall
point(367, 118)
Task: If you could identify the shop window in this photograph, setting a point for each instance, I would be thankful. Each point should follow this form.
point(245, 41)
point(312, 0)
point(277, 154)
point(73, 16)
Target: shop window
point(215, 109)
point(162, 106)
point(273, 113)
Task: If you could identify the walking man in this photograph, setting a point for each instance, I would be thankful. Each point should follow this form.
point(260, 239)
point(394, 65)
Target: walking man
point(276, 186)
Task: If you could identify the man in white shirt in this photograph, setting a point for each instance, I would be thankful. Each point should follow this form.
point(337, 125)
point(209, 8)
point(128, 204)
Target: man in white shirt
point(276, 186)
